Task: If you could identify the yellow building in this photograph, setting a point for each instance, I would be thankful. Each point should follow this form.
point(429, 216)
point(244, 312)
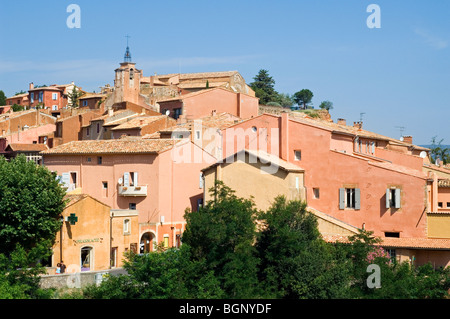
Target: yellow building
point(94, 237)
point(262, 177)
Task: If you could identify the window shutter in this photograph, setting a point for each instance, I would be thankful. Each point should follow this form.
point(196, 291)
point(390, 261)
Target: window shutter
point(357, 198)
point(200, 181)
point(66, 179)
point(126, 179)
point(397, 198)
point(341, 198)
point(388, 198)
point(136, 179)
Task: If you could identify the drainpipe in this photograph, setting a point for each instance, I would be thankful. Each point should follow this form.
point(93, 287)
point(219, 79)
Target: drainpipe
point(110, 238)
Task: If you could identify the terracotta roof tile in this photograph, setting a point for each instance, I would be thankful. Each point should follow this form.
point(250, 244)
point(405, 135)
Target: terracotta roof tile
point(418, 243)
point(19, 147)
point(119, 146)
point(138, 122)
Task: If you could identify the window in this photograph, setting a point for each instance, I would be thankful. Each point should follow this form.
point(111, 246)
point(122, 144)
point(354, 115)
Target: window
point(85, 103)
point(41, 96)
point(166, 241)
point(440, 204)
point(254, 129)
point(393, 199)
point(197, 135)
point(392, 234)
point(126, 227)
point(199, 203)
point(54, 96)
point(105, 185)
point(297, 155)
point(54, 107)
point(392, 253)
point(88, 159)
point(132, 206)
point(316, 193)
point(99, 160)
point(88, 131)
point(177, 112)
point(32, 97)
point(448, 204)
point(349, 198)
point(98, 127)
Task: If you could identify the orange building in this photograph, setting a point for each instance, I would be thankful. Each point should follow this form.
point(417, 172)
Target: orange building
point(93, 236)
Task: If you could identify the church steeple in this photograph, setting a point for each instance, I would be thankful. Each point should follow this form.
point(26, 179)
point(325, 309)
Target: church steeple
point(127, 57)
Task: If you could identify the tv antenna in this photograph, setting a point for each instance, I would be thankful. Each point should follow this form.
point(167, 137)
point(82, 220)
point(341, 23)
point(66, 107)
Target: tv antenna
point(361, 116)
point(401, 129)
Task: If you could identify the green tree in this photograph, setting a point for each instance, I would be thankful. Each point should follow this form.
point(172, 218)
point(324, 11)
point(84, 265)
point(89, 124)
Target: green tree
point(74, 97)
point(220, 237)
point(17, 108)
point(326, 105)
point(2, 98)
point(303, 98)
point(20, 272)
point(31, 202)
point(263, 86)
point(439, 151)
point(285, 100)
point(295, 261)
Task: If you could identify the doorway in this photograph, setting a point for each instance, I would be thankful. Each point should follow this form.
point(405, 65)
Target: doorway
point(146, 244)
point(87, 258)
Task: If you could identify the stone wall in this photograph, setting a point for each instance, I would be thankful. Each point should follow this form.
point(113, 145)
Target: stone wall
point(79, 279)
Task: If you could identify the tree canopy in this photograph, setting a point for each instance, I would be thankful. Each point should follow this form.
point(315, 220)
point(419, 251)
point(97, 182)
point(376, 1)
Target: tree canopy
point(31, 202)
point(264, 87)
point(303, 98)
point(2, 98)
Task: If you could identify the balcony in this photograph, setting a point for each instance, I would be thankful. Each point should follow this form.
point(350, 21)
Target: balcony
point(133, 190)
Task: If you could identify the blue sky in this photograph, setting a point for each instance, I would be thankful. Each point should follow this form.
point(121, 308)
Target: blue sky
point(397, 75)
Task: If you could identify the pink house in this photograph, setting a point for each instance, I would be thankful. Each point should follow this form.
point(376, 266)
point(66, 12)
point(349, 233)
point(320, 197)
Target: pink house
point(361, 178)
point(201, 103)
point(160, 178)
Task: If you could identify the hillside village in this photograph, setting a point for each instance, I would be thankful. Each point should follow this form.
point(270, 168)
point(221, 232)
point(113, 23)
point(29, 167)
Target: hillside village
point(134, 156)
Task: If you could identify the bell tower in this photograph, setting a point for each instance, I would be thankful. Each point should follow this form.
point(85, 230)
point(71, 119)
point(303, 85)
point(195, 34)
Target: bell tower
point(127, 80)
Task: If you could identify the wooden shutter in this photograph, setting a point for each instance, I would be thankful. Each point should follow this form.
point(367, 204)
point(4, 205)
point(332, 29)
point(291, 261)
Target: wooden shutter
point(136, 179)
point(126, 179)
point(357, 198)
point(66, 179)
point(397, 198)
point(341, 198)
point(388, 198)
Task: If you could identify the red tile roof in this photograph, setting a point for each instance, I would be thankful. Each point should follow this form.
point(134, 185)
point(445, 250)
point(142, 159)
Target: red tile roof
point(119, 146)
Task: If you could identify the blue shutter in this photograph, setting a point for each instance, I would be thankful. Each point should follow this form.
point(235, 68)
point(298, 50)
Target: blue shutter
point(66, 179)
point(341, 198)
point(357, 198)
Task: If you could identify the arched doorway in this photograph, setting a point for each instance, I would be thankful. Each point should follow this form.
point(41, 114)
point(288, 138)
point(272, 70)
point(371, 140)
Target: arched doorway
point(147, 242)
point(87, 258)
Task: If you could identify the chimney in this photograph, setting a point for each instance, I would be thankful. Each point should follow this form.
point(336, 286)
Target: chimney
point(407, 139)
point(284, 136)
point(341, 122)
point(31, 86)
point(358, 125)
